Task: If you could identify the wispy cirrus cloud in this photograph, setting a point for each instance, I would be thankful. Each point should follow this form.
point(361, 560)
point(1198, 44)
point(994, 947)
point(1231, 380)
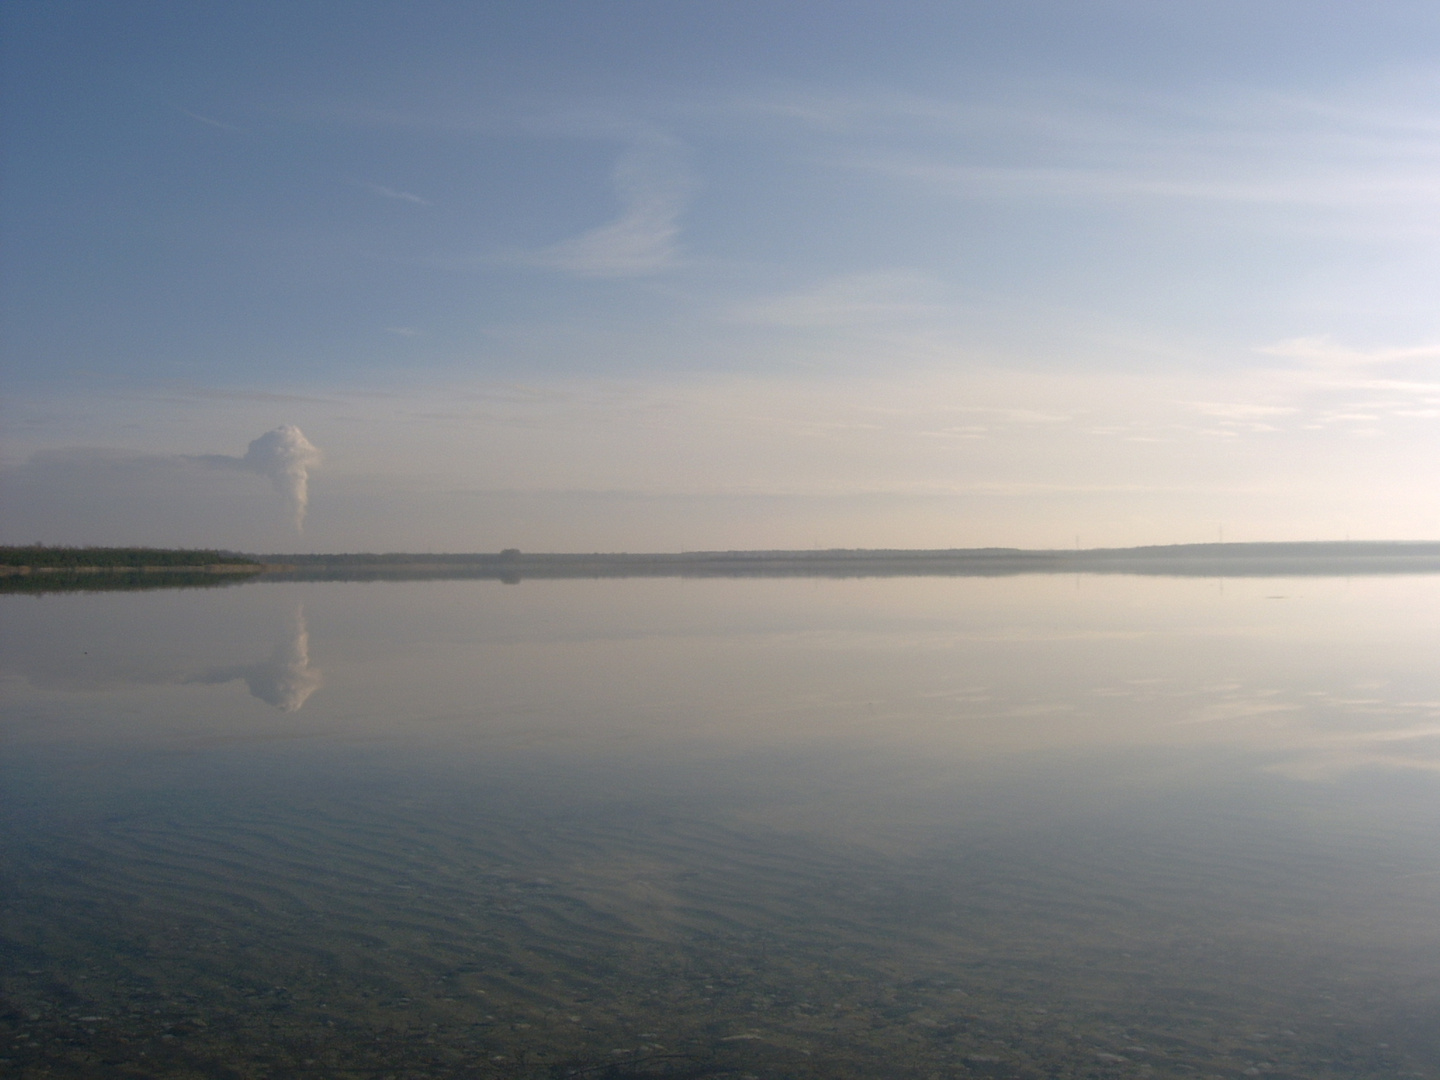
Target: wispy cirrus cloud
point(210, 121)
point(1324, 351)
point(391, 193)
point(1186, 183)
point(1367, 148)
point(1328, 385)
point(856, 299)
point(654, 189)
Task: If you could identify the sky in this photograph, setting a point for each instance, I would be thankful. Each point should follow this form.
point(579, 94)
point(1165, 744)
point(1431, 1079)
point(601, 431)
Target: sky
point(603, 276)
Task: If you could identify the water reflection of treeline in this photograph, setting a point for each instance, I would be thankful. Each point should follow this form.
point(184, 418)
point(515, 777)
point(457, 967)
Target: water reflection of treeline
point(121, 580)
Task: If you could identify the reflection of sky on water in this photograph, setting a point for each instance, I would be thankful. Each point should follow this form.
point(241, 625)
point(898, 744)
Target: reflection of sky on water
point(1092, 791)
point(92, 654)
point(895, 682)
point(285, 680)
point(937, 672)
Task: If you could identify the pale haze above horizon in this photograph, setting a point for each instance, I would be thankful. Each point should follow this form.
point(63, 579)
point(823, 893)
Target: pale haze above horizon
point(662, 276)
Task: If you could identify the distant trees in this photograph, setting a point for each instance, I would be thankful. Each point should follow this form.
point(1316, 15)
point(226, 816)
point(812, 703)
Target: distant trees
point(40, 555)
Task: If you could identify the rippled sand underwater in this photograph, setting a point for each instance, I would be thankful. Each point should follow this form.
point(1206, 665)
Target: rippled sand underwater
point(557, 840)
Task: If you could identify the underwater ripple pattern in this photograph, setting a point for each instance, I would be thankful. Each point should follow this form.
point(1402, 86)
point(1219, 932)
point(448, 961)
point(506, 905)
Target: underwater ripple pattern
point(381, 937)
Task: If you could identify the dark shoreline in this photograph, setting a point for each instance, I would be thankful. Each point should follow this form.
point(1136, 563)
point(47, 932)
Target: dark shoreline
point(1314, 559)
point(1182, 560)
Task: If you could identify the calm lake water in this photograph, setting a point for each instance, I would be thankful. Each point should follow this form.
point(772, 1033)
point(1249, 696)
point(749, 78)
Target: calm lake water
point(1038, 826)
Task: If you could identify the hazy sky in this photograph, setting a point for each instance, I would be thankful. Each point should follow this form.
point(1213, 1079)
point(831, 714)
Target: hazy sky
point(653, 276)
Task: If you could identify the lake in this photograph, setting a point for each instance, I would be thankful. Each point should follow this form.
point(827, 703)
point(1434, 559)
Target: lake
point(1039, 826)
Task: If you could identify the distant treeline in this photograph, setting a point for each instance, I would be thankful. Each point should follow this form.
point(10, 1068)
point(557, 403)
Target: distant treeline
point(40, 556)
point(1184, 560)
point(52, 568)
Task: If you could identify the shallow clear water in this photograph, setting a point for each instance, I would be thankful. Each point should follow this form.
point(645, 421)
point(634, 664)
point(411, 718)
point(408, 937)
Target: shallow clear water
point(1039, 826)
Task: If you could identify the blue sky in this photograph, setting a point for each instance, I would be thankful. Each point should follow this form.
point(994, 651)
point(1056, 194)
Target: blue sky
point(654, 276)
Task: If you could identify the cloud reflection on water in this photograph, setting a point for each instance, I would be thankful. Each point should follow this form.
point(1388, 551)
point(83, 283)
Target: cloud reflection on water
point(285, 679)
point(133, 641)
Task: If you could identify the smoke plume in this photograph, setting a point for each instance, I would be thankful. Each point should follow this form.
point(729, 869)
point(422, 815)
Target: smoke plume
point(286, 457)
